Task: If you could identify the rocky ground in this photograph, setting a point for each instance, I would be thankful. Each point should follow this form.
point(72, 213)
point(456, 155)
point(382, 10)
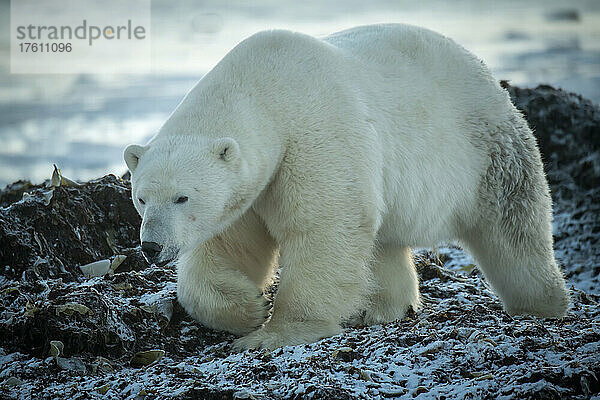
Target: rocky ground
point(114, 329)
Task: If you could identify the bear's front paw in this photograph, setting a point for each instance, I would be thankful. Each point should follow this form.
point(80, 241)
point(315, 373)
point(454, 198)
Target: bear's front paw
point(274, 335)
point(239, 315)
point(246, 316)
point(259, 339)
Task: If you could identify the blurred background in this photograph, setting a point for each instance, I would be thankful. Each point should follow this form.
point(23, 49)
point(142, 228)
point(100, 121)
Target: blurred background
point(83, 122)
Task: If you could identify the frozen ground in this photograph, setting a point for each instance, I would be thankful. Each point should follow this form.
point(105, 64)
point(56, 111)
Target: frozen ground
point(461, 345)
point(67, 336)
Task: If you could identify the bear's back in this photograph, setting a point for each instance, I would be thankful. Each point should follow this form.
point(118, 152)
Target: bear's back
point(394, 44)
point(417, 59)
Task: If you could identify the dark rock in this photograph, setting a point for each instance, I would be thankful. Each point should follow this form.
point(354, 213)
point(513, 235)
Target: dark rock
point(79, 225)
point(14, 192)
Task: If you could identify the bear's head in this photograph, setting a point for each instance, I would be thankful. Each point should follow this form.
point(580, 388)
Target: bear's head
point(186, 189)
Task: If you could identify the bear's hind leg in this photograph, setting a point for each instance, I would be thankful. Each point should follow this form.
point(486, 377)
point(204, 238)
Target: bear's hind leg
point(523, 274)
point(510, 231)
point(512, 238)
point(397, 285)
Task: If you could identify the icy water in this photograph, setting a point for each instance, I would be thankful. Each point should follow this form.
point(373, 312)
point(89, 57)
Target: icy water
point(83, 122)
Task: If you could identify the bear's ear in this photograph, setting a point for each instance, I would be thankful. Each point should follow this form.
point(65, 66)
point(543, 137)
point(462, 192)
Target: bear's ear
point(226, 148)
point(132, 155)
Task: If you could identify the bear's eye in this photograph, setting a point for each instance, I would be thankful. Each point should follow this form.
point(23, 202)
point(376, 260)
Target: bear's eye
point(181, 200)
point(142, 202)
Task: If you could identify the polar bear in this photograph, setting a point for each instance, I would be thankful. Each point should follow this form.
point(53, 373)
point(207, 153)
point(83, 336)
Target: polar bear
point(331, 158)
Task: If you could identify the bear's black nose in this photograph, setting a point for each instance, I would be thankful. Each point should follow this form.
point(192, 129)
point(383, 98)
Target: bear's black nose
point(151, 250)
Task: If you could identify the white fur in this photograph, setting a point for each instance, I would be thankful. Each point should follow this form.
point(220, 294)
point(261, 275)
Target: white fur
point(342, 153)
